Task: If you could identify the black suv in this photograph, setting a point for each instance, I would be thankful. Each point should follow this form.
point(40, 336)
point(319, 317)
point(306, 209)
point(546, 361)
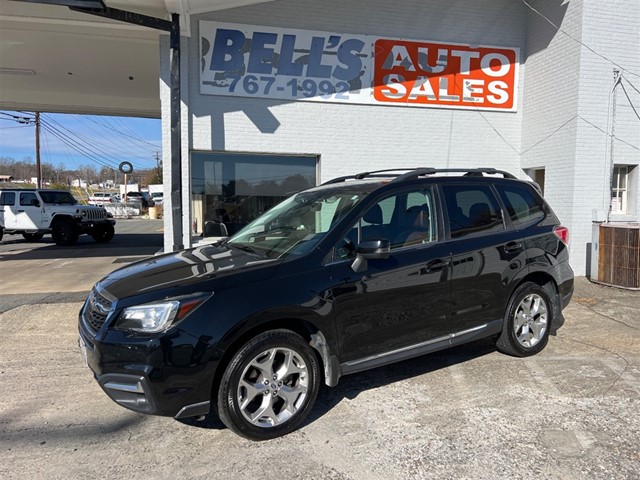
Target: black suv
point(359, 272)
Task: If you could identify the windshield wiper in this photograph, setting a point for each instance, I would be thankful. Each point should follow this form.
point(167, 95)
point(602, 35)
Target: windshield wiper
point(243, 247)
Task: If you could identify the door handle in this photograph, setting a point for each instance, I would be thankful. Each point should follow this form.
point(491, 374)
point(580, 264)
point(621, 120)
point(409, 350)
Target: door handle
point(513, 247)
point(435, 266)
point(20, 211)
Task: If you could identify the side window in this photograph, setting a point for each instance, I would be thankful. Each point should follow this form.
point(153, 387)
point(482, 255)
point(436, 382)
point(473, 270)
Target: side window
point(472, 209)
point(28, 199)
point(8, 198)
point(405, 219)
point(417, 220)
point(522, 205)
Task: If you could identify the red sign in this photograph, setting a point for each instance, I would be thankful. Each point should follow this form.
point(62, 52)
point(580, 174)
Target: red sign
point(443, 75)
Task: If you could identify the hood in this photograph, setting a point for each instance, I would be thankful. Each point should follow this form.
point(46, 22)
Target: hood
point(202, 266)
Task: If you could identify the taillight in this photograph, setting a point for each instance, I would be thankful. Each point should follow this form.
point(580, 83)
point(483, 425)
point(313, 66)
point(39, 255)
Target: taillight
point(562, 233)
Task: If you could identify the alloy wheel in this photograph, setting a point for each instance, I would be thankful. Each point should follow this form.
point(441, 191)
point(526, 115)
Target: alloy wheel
point(530, 320)
point(273, 387)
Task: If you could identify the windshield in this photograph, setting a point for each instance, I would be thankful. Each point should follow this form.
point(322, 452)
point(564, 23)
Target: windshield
point(296, 225)
point(58, 198)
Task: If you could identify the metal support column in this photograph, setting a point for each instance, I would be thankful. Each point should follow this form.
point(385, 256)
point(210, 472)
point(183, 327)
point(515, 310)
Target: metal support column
point(38, 164)
point(176, 134)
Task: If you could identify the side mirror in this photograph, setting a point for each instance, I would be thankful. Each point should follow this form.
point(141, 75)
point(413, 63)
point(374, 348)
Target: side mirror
point(370, 250)
point(35, 202)
point(374, 249)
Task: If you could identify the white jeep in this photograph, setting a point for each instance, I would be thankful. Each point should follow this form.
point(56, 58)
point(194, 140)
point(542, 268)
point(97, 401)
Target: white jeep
point(36, 212)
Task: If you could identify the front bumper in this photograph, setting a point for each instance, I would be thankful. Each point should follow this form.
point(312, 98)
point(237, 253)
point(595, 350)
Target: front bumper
point(170, 375)
point(88, 225)
point(135, 393)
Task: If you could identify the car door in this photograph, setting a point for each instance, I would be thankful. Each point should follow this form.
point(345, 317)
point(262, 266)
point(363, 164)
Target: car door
point(28, 212)
point(7, 206)
point(485, 256)
point(401, 301)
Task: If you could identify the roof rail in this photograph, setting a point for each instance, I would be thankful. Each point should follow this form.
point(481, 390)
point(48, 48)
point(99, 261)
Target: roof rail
point(468, 172)
point(373, 173)
point(413, 173)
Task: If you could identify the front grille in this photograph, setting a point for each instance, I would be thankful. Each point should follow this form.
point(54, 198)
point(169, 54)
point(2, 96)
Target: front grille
point(96, 311)
point(95, 214)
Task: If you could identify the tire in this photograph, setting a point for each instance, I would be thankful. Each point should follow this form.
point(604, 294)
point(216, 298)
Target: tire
point(32, 237)
point(1, 233)
point(270, 386)
point(527, 322)
point(103, 233)
point(64, 233)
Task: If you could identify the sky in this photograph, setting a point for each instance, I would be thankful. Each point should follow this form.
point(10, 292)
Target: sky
point(76, 140)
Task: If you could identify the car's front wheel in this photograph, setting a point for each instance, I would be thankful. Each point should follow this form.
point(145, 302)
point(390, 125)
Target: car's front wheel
point(64, 233)
point(102, 233)
point(270, 386)
point(527, 321)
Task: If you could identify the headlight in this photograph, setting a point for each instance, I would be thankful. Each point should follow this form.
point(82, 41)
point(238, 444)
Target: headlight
point(84, 213)
point(158, 316)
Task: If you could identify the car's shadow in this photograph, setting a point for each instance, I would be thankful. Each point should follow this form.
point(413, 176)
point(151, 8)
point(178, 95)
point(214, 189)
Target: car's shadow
point(125, 244)
point(351, 386)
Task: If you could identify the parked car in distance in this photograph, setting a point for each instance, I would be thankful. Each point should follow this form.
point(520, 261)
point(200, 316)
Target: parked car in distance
point(141, 198)
point(100, 198)
point(37, 212)
point(362, 271)
point(157, 197)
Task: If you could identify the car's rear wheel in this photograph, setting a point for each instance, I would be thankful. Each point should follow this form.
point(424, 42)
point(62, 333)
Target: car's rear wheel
point(32, 237)
point(527, 321)
point(64, 233)
point(270, 386)
point(103, 233)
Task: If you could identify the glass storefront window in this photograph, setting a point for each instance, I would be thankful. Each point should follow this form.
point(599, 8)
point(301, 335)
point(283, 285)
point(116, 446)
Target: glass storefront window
point(234, 189)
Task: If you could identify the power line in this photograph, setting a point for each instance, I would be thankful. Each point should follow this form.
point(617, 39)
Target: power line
point(498, 133)
point(15, 126)
point(549, 136)
point(75, 146)
point(631, 85)
point(45, 133)
point(607, 134)
point(78, 139)
point(630, 102)
point(123, 133)
point(138, 149)
point(89, 156)
point(113, 146)
point(16, 118)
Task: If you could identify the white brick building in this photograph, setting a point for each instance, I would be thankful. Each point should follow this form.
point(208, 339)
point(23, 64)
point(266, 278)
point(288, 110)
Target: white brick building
point(558, 131)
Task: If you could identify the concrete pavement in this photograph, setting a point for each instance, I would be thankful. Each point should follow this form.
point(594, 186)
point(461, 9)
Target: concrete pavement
point(43, 267)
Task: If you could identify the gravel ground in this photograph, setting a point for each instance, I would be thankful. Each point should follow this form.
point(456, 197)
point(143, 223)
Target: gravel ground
point(571, 412)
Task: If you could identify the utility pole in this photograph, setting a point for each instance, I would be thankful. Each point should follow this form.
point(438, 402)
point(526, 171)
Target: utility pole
point(34, 121)
point(38, 167)
point(159, 167)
